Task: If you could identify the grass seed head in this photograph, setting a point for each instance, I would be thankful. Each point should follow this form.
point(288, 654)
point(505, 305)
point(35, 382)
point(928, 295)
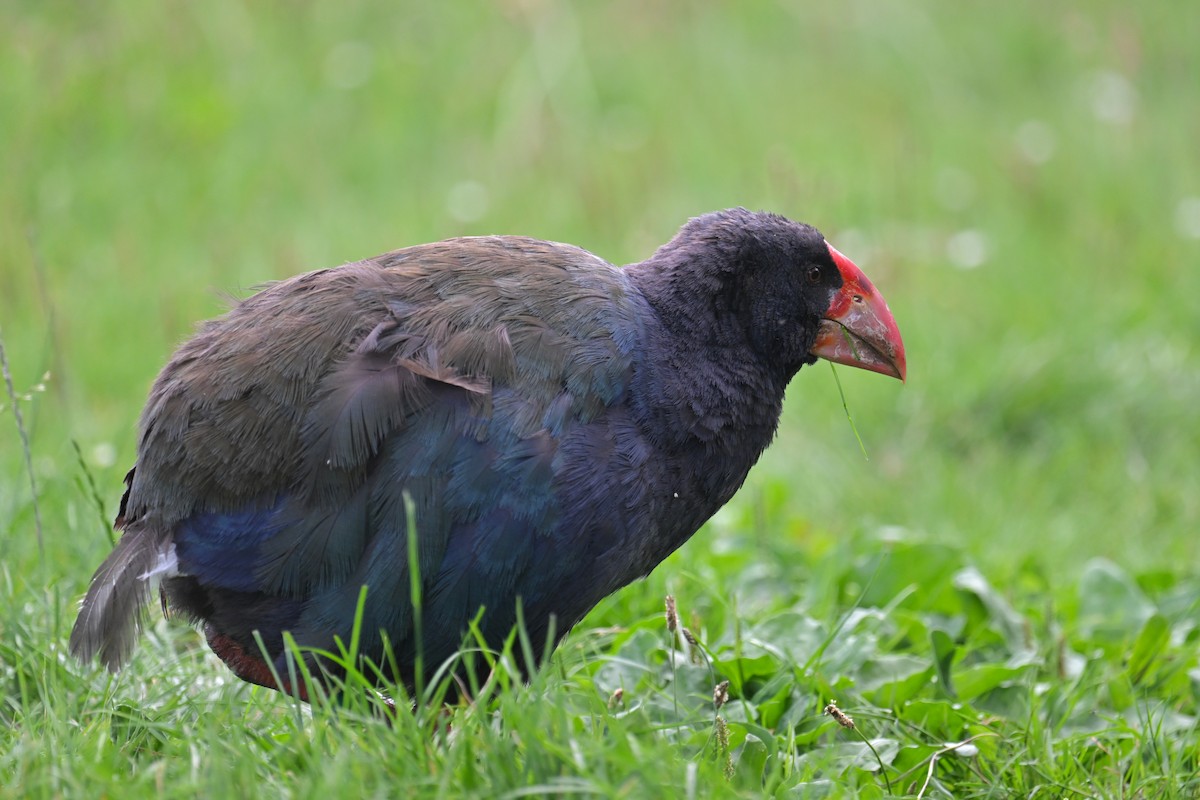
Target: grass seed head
point(672, 615)
point(839, 716)
point(721, 729)
point(721, 693)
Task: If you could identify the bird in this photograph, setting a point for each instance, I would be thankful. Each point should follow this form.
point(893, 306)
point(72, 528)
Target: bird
point(482, 430)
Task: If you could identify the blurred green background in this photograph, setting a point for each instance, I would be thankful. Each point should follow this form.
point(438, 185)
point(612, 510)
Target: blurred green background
point(1021, 180)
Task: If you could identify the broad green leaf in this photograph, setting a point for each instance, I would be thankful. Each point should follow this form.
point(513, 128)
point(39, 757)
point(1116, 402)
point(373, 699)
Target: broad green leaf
point(1000, 613)
point(924, 569)
point(812, 790)
point(771, 706)
point(751, 757)
point(748, 668)
point(939, 718)
point(944, 650)
point(1010, 700)
point(975, 681)
point(856, 754)
point(889, 680)
point(912, 755)
point(1149, 643)
point(1112, 607)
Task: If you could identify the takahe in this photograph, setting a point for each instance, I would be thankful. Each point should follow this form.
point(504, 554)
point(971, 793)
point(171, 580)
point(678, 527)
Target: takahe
point(561, 426)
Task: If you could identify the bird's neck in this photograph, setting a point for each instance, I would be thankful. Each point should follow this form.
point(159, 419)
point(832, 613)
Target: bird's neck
point(701, 380)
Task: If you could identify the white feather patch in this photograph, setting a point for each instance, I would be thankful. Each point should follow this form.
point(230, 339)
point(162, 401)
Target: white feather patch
point(166, 565)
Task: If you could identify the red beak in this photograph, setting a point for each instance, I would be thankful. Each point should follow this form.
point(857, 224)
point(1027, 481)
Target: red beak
point(858, 329)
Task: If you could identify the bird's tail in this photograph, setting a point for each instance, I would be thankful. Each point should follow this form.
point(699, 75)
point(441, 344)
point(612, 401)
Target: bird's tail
point(110, 615)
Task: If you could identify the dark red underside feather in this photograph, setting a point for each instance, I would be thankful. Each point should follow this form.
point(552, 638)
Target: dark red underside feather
point(249, 667)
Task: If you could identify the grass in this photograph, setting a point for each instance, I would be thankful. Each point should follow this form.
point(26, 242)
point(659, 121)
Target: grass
point(1003, 597)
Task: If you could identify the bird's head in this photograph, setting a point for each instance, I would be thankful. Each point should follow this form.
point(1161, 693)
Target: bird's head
point(799, 298)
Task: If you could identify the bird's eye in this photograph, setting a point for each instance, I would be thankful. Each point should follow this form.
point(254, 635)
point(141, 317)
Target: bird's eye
point(814, 274)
